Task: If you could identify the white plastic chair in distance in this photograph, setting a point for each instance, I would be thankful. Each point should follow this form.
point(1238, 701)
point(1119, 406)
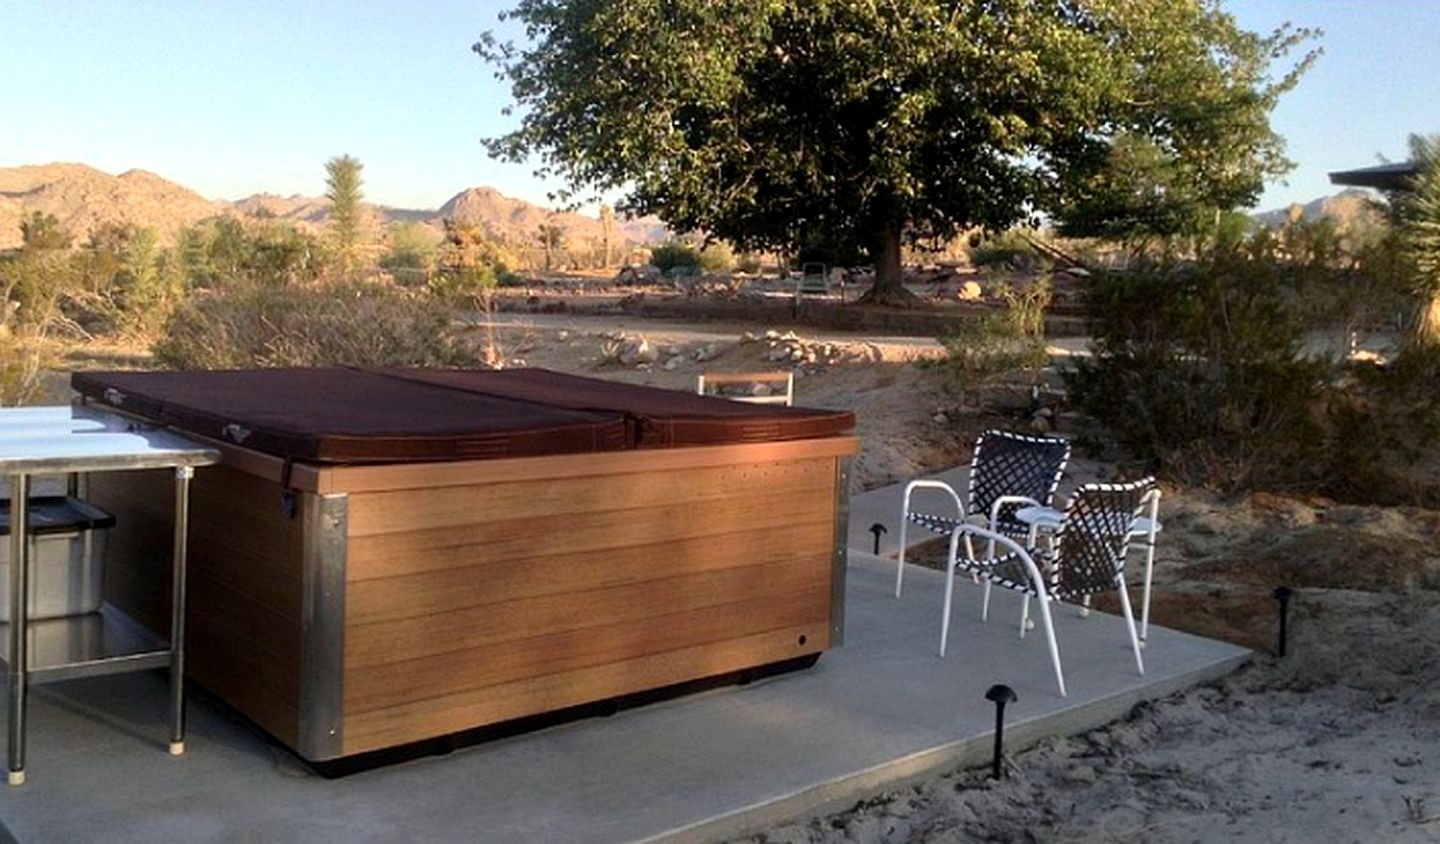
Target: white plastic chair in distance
point(1007, 471)
point(1086, 557)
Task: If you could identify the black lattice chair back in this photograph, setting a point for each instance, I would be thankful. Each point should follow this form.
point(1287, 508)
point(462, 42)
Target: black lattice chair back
point(1007, 463)
point(1092, 541)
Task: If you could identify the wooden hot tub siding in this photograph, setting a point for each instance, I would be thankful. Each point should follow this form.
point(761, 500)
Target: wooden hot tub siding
point(410, 601)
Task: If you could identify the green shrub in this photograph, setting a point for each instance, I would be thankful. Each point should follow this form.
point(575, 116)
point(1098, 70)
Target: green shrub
point(982, 351)
point(1200, 370)
point(1010, 249)
point(673, 254)
point(345, 324)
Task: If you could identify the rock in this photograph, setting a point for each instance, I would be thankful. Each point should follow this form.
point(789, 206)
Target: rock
point(760, 390)
point(562, 336)
point(941, 419)
point(772, 334)
point(704, 353)
point(970, 292)
point(797, 354)
point(1081, 775)
point(778, 355)
point(747, 338)
point(1040, 424)
point(674, 363)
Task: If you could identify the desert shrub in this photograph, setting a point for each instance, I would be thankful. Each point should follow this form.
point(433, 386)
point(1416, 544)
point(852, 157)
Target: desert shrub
point(1200, 370)
point(349, 324)
point(749, 263)
point(1009, 249)
point(672, 254)
point(982, 351)
point(410, 255)
point(717, 257)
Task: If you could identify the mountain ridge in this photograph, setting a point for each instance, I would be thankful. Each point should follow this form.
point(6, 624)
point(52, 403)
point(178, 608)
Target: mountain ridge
point(84, 198)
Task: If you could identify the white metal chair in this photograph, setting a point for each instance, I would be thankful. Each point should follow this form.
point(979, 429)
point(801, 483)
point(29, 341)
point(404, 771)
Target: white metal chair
point(1086, 557)
point(1146, 528)
point(786, 398)
point(1007, 471)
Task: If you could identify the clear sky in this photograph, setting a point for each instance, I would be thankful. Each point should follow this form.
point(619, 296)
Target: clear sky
point(232, 98)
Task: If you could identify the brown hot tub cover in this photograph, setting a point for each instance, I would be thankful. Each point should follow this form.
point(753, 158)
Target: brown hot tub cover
point(658, 418)
point(342, 415)
point(339, 415)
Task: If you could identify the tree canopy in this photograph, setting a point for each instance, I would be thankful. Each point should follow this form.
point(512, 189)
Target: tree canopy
point(779, 123)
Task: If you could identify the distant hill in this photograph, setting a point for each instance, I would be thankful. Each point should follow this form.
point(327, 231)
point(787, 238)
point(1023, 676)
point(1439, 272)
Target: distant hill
point(1348, 207)
point(83, 198)
point(517, 220)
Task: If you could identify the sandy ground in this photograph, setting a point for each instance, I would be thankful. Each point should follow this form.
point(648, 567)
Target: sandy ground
point(1338, 741)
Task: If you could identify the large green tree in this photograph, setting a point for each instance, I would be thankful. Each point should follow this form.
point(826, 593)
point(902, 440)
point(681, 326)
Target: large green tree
point(342, 188)
point(860, 123)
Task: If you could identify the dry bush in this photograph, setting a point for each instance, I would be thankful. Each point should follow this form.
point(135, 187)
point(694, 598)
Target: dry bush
point(354, 324)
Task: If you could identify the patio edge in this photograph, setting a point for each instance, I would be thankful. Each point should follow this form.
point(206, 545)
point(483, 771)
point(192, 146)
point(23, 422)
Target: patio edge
point(841, 793)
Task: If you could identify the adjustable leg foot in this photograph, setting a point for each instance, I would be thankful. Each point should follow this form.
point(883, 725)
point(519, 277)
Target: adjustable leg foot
point(177, 748)
point(17, 777)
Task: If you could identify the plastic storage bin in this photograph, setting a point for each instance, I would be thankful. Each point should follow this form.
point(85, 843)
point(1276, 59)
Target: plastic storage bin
point(67, 554)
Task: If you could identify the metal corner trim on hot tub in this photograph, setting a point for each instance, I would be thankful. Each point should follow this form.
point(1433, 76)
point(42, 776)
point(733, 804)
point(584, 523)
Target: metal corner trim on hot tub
point(322, 645)
point(841, 551)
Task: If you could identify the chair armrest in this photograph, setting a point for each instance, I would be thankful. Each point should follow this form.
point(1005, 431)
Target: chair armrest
point(1002, 540)
point(939, 485)
point(1009, 499)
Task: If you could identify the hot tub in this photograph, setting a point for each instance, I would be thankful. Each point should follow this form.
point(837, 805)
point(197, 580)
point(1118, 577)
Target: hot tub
point(387, 556)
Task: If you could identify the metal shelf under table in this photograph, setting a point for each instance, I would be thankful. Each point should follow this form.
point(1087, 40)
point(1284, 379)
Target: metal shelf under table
point(88, 645)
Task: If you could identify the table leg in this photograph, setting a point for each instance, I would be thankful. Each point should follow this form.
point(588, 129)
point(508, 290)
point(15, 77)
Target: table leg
point(19, 606)
point(183, 474)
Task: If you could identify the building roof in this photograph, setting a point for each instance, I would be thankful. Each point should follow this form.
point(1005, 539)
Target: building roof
point(1383, 177)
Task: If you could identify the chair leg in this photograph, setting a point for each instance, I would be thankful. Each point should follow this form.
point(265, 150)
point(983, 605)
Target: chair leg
point(985, 603)
point(1050, 640)
point(900, 562)
point(1145, 595)
point(945, 616)
point(1130, 624)
point(1024, 615)
point(1085, 607)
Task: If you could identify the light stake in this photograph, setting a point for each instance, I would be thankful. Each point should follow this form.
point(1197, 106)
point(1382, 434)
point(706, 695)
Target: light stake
point(1282, 595)
point(999, 695)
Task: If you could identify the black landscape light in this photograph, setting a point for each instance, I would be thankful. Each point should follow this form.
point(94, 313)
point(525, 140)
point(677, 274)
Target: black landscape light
point(1282, 595)
point(878, 529)
point(999, 695)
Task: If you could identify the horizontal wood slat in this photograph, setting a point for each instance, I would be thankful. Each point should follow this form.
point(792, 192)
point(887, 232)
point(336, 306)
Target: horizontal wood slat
point(457, 632)
point(414, 510)
point(393, 684)
point(493, 704)
point(358, 479)
point(497, 581)
point(580, 533)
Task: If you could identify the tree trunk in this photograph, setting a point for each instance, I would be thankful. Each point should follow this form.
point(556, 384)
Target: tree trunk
point(889, 287)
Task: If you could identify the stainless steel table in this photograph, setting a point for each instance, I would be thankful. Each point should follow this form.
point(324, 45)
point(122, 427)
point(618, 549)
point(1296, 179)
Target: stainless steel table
point(75, 441)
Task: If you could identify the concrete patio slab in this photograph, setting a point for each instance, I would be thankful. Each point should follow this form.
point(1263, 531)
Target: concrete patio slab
point(878, 712)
